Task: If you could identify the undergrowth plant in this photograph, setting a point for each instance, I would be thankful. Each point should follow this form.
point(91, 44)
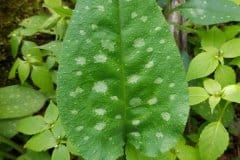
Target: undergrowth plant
point(35, 66)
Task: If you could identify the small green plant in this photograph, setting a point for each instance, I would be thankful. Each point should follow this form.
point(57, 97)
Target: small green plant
point(212, 73)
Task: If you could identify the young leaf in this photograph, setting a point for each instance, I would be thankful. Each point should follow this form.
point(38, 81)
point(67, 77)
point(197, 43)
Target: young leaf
point(186, 152)
point(236, 61)
point(213, 141)
point(231, 49)
point(41, 142)
point(58, 130)
point(208, 63)
point(12, 73)
point(225, 75)
point(18, 101)
point(121, 80)
point(32, 125)
point(213, 101)
point(60, 153)
point(231, 31)
point(23, 70)
point(210, 11)
point(15, 43)
point(42, 78)
point(231, 93)
point(30, 49)
point(51, 113)
point(212, 86)
point(34, 22)
point(197, 95)
point(212, 38)
point(61, 28)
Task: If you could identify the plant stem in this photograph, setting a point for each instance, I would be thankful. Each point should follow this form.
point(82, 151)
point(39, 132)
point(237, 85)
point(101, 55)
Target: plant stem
point(7, 155)
point(223, 111)
point(11, 143)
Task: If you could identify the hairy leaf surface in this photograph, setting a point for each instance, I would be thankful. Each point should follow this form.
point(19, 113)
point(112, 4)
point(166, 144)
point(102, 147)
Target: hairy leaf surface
point(209, 12)
point(121, 80)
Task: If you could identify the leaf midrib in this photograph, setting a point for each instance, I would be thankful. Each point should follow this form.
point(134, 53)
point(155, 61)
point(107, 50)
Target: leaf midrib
point(122, 70)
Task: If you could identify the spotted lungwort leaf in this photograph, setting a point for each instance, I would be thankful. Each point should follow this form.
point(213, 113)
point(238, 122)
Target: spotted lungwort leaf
point(121, 80)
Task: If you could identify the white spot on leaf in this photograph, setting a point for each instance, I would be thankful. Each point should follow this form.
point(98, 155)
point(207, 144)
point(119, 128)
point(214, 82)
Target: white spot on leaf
point(138, 43)
point(101, 8)
point(100, 111)
point(79, 128)
point(144, 18)
point(86, 138)
point(149, 49)
point(114, 98)
point(171, 85)
point(135, 134)
point(100, 87)
point(94, 26)
point(100, 126)
point(152, 101)
point(157, 28)
point(108, 45)
point(82, 32)
point(158, 80)
point(134, 15)
point(162, 41)
point(80, 61)
point(118, 116)
point(172, 97)
point(136, 122)
point(166, 116)
point(133, 79)
point(100, 58)
point(150, 64)
point(134, 102)
point(74, 112)
point(159, 135)
point(78, 73)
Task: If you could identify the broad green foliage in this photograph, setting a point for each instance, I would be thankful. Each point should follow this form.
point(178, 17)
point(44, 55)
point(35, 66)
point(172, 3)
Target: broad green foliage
point(213, 141)
point(121, 80)
point(209, 12)
point(18, 101)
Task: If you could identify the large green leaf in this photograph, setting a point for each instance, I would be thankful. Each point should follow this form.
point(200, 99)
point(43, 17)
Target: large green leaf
point(210, 11)
point(121, 80)
point(213, 141)
point(19, 101)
